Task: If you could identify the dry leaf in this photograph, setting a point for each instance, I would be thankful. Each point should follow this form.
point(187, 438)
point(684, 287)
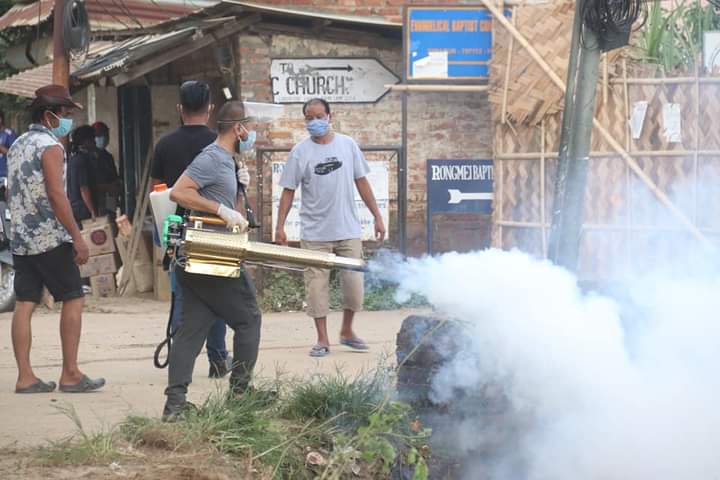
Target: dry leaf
point(315, 458)
point(416, 426)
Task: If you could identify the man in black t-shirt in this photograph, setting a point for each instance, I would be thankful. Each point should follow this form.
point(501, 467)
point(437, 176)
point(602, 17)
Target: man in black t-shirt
point(173, 153)
point(78, 179)
point(106, 185)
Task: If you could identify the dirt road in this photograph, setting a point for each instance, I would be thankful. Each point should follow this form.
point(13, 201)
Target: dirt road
point(119, 337)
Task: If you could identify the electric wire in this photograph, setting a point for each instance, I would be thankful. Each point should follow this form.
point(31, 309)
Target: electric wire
point(120, 4)
point(100, 2)
point(612, 17)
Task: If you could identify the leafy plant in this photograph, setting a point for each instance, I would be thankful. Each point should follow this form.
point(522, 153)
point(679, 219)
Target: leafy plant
point(379, 443)
point(673, 39)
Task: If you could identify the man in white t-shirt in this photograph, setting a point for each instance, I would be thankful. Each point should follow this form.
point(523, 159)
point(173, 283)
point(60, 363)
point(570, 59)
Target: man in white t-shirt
point(329, 166)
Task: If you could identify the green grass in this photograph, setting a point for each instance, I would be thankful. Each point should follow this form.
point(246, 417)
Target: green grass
point(348, 400)
point(285, 291)
point(82, 448)
point(350, 422)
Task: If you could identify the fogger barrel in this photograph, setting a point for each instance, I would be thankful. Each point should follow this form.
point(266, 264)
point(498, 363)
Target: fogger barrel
point(217, 252)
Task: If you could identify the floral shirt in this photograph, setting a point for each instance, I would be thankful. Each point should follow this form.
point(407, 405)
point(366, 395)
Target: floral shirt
point(34, 228)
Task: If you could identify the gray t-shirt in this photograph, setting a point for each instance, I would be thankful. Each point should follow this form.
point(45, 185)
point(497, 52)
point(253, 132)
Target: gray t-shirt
point(214, 172)
point(327, 173)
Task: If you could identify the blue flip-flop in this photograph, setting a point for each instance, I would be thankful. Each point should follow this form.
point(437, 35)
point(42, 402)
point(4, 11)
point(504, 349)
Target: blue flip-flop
point(319, 351)
point(355, 343)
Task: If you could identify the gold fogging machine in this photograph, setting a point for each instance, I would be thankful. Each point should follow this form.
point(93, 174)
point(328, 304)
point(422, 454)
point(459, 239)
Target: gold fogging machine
point(219, 252)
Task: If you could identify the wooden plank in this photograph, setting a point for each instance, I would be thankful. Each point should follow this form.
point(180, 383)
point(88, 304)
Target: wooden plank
point(437, 88)
point(506, 82)
point(638, 153)
point(142, 200)
point(155, 62)
point(606, 227)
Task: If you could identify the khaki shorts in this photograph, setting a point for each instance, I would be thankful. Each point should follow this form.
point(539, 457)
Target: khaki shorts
point(317, 280)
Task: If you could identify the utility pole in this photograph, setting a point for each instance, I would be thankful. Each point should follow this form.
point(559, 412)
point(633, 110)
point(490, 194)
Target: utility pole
point(61, 65)
point(569, 198)
point(556, 217)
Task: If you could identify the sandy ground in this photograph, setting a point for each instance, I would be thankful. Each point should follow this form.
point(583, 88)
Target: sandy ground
point(119, 338)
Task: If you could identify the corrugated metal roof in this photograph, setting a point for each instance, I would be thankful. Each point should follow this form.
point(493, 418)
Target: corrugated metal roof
point(107, 14)
point(25, 83)
point(122, 54)
point(26, 15)
point(303, 12)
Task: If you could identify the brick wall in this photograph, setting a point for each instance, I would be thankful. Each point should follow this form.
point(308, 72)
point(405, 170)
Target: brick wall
point(440, 126)
point(390, 9)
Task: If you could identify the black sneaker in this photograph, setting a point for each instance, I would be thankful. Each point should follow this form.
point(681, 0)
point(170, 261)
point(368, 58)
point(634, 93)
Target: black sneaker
point(218, 369)
point(174, 412)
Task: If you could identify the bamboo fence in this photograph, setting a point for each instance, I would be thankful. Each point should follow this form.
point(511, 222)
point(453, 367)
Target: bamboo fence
point(646, 197)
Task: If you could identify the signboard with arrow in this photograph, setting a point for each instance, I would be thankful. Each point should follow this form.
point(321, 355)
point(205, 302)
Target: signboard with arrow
point(338, 80)
point(458, 186)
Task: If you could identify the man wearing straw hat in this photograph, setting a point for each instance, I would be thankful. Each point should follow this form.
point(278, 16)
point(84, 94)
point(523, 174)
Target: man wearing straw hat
point(45, 240)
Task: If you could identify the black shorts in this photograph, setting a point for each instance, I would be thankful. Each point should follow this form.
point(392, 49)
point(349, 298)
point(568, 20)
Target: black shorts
point(55, 270)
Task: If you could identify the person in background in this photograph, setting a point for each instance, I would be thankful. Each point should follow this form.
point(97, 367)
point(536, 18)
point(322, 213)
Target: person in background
point(82, 155)
point(105, 184)
point(7, 137)
point(329, 167)
point(45, 241)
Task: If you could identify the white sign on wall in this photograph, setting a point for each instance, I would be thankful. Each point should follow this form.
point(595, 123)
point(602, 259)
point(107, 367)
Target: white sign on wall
point(343, 80)
point(378, 179)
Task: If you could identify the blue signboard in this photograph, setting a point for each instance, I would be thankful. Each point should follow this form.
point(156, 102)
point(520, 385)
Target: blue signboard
point(448, 43)
point(459, 186)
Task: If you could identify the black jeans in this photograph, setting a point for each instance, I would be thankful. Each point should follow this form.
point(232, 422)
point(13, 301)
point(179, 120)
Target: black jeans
point(206, 298)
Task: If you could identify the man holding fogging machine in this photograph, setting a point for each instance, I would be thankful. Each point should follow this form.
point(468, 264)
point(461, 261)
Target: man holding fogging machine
point(173, 153)
point(210, 185)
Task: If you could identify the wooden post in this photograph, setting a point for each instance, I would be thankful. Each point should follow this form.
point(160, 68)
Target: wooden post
point(628, 174)
point(542, 188)
point(508, 67)
point(569, 217)
point(61, 64)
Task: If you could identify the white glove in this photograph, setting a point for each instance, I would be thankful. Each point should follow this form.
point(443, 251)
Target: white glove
point(243, 175)
point(232, 218)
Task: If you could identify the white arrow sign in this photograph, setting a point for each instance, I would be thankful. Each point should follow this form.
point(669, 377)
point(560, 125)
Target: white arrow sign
point(456, 196)
point(345, 80)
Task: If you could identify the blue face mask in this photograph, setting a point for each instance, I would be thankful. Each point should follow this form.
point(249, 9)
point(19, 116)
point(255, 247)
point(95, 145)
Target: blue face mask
point(101, 142)
point(64, 128)
point(245, 145)
point(318, 127)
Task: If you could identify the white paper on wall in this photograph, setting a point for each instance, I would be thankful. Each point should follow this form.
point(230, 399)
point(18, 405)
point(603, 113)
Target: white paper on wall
point(671, 122)
point(638, 118)
point(435, 65)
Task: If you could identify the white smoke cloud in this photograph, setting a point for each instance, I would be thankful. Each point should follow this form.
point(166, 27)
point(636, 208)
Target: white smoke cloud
point(599, 390)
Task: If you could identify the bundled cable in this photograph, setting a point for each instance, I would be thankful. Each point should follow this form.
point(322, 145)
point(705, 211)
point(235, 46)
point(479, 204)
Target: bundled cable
point(611, 20)
point(76, 28)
